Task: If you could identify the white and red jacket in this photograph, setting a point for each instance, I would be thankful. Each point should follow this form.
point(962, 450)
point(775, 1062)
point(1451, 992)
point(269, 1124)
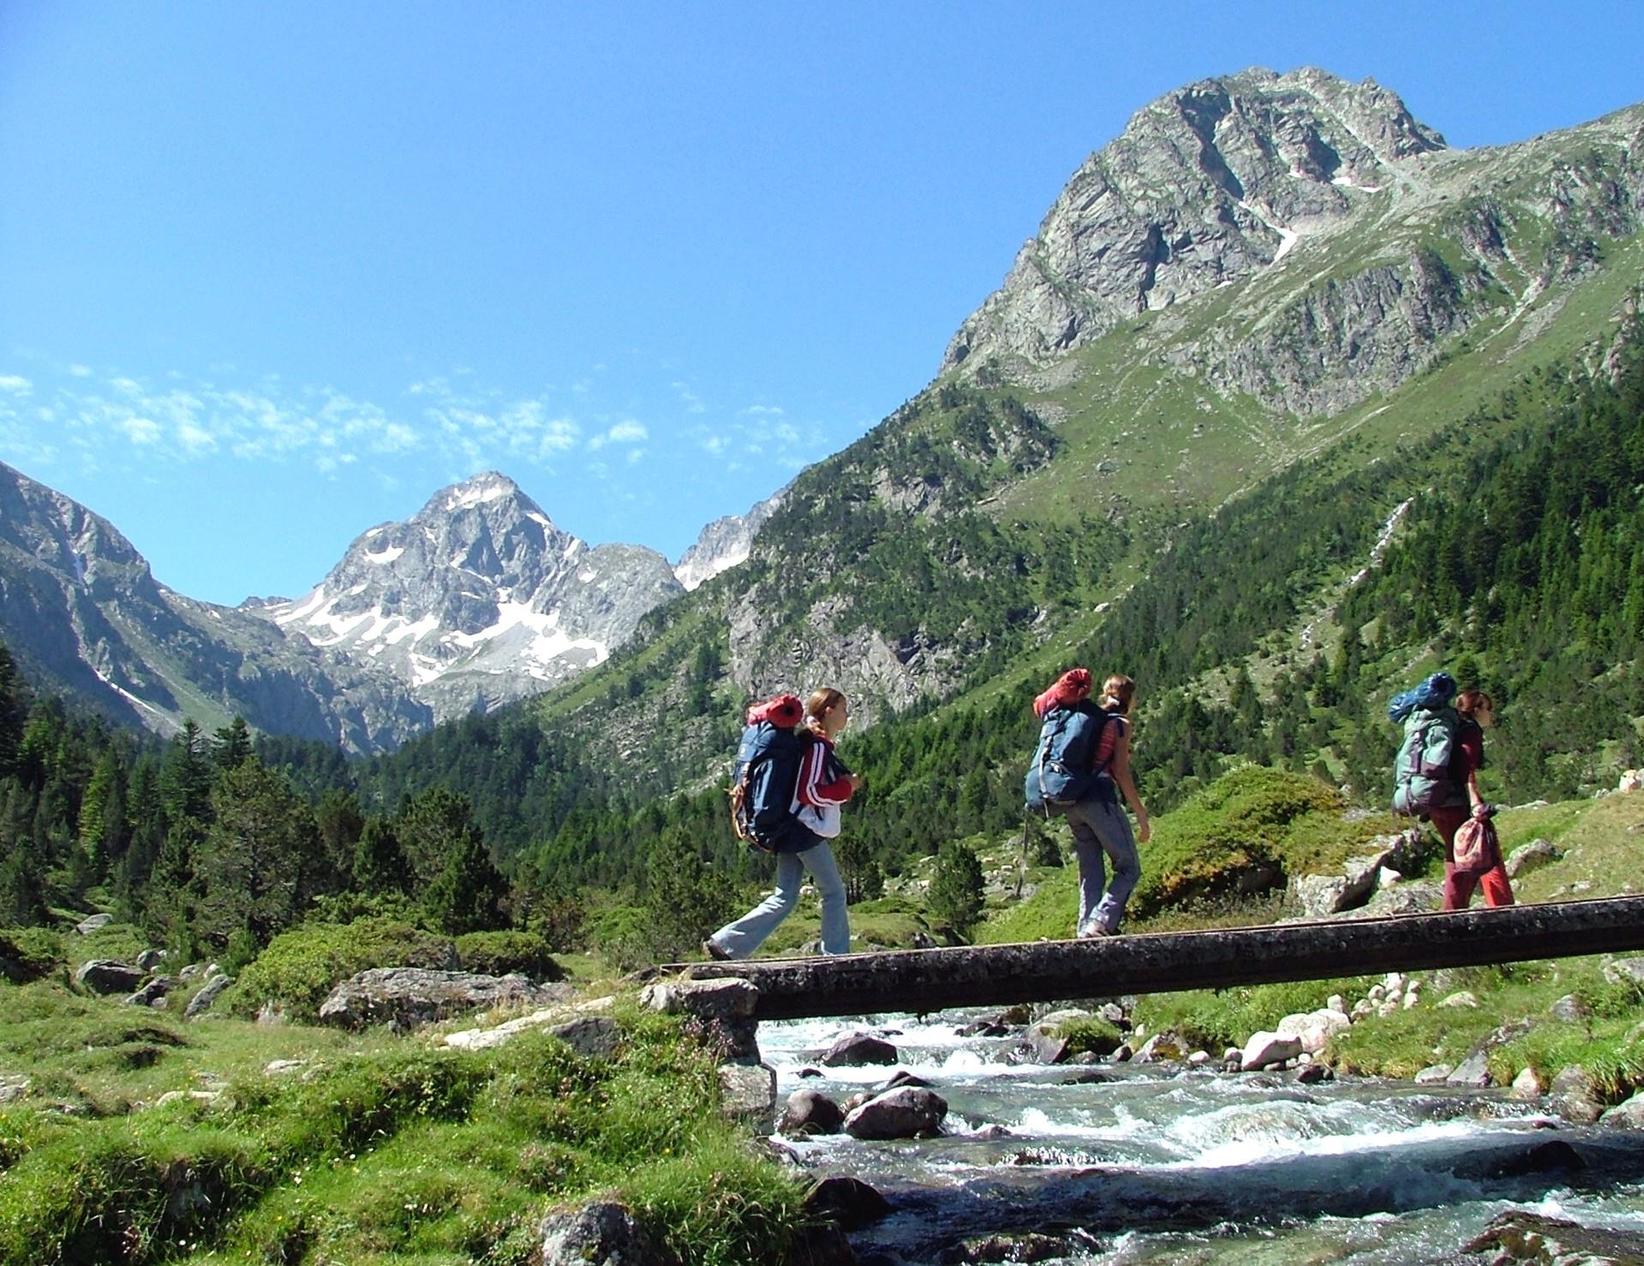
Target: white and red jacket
point(824, 786)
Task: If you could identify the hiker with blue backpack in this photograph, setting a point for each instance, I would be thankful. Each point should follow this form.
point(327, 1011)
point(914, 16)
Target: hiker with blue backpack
point(788, 787)
point(1080, 767)
point(1436, 778)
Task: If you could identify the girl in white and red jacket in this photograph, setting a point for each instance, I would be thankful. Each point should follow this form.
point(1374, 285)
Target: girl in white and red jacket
point(824, 782)
point(824, 786)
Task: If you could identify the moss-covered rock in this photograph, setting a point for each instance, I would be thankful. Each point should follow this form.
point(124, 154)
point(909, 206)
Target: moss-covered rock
point(300, 967)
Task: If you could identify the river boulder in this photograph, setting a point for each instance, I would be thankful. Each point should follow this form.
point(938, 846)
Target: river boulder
point(600, 1233)
point(207, 996)
point(1473, 1071)
point(811, 1112)
point(1532, 856)
point(1521, 1236)
point(408, 997)
point(904, 1113)
point(849, 1202)
point(154, 991)
point(1264, 1050)
point(1625, 971)
point(856, 1050)
point(1628, 1115)
point(1574, 1095)
point(748, 1092)
point(1314, 1028)
point(718, 1012)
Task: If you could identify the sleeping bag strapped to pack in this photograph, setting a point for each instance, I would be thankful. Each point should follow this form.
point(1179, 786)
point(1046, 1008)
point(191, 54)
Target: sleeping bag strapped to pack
point(1061, 772)
point(1433, 692)
point(1421, 774)
point(765, 778)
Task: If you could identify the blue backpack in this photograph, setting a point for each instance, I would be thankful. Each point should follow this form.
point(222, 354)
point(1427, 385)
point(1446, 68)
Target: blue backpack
point(1433, 693)
point(764, 789)
point(1061, 773)
point(1421, 772)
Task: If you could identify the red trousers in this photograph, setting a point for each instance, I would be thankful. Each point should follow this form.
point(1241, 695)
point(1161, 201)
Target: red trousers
point(1458, 883)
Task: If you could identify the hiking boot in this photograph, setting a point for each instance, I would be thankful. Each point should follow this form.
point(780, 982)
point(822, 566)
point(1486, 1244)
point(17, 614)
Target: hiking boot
point(1094, 933)
point(714, 950)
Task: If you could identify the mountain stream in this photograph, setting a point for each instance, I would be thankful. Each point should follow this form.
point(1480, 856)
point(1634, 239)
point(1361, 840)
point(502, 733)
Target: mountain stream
point(1154, 1163)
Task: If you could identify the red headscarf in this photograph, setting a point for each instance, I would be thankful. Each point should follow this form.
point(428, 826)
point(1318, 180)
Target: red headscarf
point(1064, 692)
point(782, 711)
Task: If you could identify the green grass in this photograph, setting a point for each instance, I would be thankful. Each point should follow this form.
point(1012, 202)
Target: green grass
point(384, 1150)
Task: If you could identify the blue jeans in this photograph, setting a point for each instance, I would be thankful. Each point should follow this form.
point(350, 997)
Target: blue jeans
point(743, 936)
point(1101, 830)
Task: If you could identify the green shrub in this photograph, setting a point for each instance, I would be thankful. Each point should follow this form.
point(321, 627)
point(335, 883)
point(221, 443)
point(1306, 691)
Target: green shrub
point(1092, 1034)
point(499, 953)
point(300, 967)
point(1237, 835)
point(29, 953)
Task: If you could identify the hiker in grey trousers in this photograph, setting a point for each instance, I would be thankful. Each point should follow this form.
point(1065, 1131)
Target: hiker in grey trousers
point(1101, 832)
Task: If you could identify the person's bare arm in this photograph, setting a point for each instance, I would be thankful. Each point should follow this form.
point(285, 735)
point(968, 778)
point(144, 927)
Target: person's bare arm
point(1127, 785)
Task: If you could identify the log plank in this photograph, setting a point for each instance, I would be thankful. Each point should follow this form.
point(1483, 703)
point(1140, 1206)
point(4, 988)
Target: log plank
point(1163, 962)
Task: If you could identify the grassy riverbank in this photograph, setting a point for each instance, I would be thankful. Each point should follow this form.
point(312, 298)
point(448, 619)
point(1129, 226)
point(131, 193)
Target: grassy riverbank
point(374, 1149)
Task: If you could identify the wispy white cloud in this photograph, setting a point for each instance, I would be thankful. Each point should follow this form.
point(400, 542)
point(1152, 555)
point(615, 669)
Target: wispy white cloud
point(688, 398)
point(175, 420)
point(144, 432)
point(627, 431)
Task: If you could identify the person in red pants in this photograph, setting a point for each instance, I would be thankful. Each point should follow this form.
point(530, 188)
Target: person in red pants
point(1477, 714)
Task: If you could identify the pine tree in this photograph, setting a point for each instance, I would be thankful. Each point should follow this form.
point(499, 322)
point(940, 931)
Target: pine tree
point(957, 888)
point(260, 858)
point(683, 900)
point(231, 745)
point(467, 894)
point(379, 864)
point(185, 776)
point(432, 827)
point(14, 708)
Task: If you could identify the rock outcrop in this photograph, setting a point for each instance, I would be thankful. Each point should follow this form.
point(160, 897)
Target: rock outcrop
point(407, 997)
point(1207, 185)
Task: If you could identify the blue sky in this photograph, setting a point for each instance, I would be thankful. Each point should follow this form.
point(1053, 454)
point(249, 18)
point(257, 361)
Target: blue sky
point(272, 273)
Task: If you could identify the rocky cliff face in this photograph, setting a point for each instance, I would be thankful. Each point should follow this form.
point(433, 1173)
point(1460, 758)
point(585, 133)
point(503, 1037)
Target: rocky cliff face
point(81, 610)
point(723, 544)
point(478, 599)
point(1206, 186)
point(1301, 240)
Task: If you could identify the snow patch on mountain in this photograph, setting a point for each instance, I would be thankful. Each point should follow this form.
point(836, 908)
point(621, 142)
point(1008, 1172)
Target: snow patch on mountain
point(478, 598)
point(724, 543)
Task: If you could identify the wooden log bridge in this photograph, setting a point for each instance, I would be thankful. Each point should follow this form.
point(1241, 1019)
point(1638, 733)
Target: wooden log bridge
point(1164, 962)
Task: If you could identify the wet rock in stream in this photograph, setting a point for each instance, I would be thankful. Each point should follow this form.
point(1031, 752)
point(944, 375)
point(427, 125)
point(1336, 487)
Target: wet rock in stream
point(1521, 1236)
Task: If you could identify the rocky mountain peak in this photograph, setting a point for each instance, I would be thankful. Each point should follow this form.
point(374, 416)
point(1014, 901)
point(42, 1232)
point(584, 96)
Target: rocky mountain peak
point(1208, 184)
point(724, 543)
point(479, 492)
point(477, 598)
